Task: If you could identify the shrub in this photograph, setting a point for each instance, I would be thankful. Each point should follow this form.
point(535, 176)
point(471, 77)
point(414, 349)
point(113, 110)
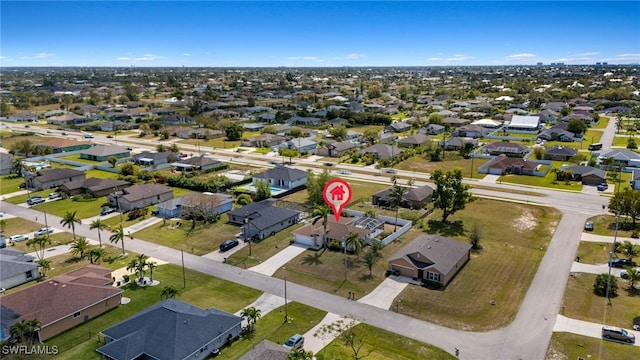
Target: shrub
point(600, 285)
point(136, 213)
point(125, 278)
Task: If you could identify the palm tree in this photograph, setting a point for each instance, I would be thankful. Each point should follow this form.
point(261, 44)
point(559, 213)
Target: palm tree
point(45, 265)
point(96, 254)
point(17, 166)
point(396, 196)
point(252, 315)
point(151, 265)
point(118, 235)
point(354, 242)
point(70, 220)
point(138, 264)
point(19, 331)
point(170, 291)
point(79, 246)
point(630, 250)
point(322, 212)
point(371, 257)
point(633, 275)
point(39, 243)
point(98, 224)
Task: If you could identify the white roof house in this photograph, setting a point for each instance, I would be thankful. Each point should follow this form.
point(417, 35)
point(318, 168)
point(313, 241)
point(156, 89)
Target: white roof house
point(524, 123)
point(487, 123)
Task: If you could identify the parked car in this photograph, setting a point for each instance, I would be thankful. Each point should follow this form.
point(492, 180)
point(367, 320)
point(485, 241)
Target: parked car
point(49, 132)
point(107, 210)
point(43, 231)
point(588, 226)
point(395, 272)
point(616, 333)
point(602, 186)
point(295, 342)
point(35, 200)
point(344, 172)
point(17, 238)
point(329, 164)
point(621, 263)
point(63, 133)
point(229, 244)
point(625, 274)
point(109, 136)
point(54, 195)
point(390, 171)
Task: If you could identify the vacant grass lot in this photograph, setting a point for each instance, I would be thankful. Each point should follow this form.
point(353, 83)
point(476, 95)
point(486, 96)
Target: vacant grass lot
point(581, 303)
point(84, 209)
point(571, 346)
point(593, 252)
point(361, 190)
point(606, 225)
point(219, 143)
point(602, 123)
point(384, 345)
point(100, 174)
point(422, 165)
point(19, 226)
point(548, 181)
point(10, 183)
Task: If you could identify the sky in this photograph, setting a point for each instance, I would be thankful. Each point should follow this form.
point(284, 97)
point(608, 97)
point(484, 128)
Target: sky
point(317, 33)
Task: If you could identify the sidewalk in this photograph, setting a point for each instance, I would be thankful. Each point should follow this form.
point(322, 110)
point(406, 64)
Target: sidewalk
point(584, 328)
point(607, 239)
point(272, 264)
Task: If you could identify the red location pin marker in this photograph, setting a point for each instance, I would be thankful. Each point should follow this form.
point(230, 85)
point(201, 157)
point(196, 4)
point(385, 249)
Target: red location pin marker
point(337, 193)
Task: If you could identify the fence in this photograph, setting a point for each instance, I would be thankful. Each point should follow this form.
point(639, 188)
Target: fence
point(406, 224)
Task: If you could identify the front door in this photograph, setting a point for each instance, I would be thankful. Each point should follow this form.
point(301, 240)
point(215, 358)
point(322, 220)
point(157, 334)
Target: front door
point(420, 274)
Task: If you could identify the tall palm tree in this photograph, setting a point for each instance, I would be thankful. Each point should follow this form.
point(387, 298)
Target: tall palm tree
point(70, 220)
point(17, 166)
point(633, 275)
point(252, 315)
point(98, 224)
point(322, 212)
point(138, 264)
point(396, 196)
point(79, 246)
point(96, 254)
point(630, 249)
point(118, 235)
point(151, 265)
point(354, 242)
point(39, 244)
point(19, 331)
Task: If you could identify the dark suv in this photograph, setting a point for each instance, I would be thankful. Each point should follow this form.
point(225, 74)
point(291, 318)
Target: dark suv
point(620, 263)
point(229, 244)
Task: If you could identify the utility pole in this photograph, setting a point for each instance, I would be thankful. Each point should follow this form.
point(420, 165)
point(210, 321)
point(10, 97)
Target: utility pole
point(613, 246)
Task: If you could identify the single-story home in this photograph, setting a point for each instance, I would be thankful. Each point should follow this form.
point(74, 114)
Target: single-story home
point(16, 268)
point(47, 179)
point(336, 149)
point(487, 123)
point(303, 145)
point(6, 163)
point(263, 141)
point(266, 350)
point(414, 198)
point(209, 203)
point(262, 219)
point(471, 131)
point(625, 157)
point(282, 177)
point(147, 158)
point(93, 186)
point(506, 148)
point(433, 129)
point(139, 196)
point(59, 145)
point(381, 151)
point(311, 234)
point(431, 258)
point(104, 152)
point(170, 329)
point(524, 124)
point(413, 141)
point(557, 134)
point(457, 143)
point(501, 165)
point(558, 152)
point(587, 175)
point(398, 126)
point(196, 163)
point(65, 301)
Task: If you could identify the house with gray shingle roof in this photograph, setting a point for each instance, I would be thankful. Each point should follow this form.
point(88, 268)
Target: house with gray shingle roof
point(199, 163)
point(104, 152)
point(414, 198)
point(506, 148)
point(587, 175)
point(382, 151)
point(282, 177)
point(413, 141)
point(267, 350)
point(170, 329)
point(559, 152)
point(16, 268)
point(139, 196)
point(47, 179)
point(336, 149)
point(431, 258)
point(262, 219)
point(93, 186)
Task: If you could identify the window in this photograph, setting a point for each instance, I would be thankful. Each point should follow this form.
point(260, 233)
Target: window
point(29, 274)
point(76, 314)
point(433, 276)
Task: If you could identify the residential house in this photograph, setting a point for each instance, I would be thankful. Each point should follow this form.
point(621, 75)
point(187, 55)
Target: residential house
point(413, 141)
point(336, 149)
point(524, 124)
point(558, 152)
point(587, 175)
point(382, 151)
point(59, 145)
point(414, 198)
point(93, 186)
point(262, 219)
point(177, 119)
point(506, 148)
point(263, 141)
point(47, 179)
point(501, 165)
point(139, 196)
point(16, 268)
point(68, 119)
point(302, 145)
point(6, 163)
point(433, 129)
point(306, 121)
point(387, 138)
point(453, 122)
point(557, 134)
point(471, 131)
point(457, 143)
point(170, 329)
point(398, 127)
point(266, 350)
point(624, 157)
point(208, 203)
point(487, 123)
point(635, 179)
point(311, 234)
point(282, 177)
point(431, 258)
point(147, 158)
point(253, 126)
point(104, 152)
point(196, 163)
point(65, 301)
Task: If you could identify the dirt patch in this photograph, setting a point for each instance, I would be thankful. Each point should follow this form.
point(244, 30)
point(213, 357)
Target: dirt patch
point(525, 222)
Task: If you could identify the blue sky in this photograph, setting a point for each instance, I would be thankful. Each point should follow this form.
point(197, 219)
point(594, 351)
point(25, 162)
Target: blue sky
point(317, 33)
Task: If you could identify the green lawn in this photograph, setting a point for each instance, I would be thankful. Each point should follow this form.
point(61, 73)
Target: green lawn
point(548, 180)
point(421, 165)
point(571, 346)
point(593, 252)
point(77, 158)
point(361, 190)
point(219, 143)
point(592, 136)
point(620, 140)
point(84, 209)
point(602, 123)
point(100, 174)
point(19, 199)
point(10, 183)
point(605, 224)
point(17, 226)
point(202, 290)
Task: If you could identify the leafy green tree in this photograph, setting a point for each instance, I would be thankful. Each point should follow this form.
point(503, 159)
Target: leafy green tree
point(290, 153)
point(631, 144)
point(626, 203)
point(269, 129)
point(450, 194)
point(475, 235)
point(79, 246)
point(295, 132)
point(351, 336)
point(252, 315)
point(17, 166)
point(70, 220)
point(24, 146)
point(577, 126)
point(370, 136)
point(263, 190)
point(234, 132)
point(338, 133)
point(112, 160)
point(244, 199)
point(372, 256)
point(98, 224)
point(600, 285)
point(39, 244)
point(128, 169)
point(315, 186)
point(170, 291)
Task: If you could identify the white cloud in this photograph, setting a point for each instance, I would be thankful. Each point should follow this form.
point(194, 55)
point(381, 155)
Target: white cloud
point(625, 58)
point(306, 58)
point(4, 58)
point(435, 59)
point(459, 58)
point(186, 54)
point(520, 56)
point(44, 55)
point(146, 57)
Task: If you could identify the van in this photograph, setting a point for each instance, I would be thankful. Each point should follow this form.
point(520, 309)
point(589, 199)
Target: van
point(295, 342)
point(616, 333)
point(596, 146)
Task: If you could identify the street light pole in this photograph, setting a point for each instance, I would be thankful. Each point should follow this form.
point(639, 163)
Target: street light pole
point(46, 226)
point(613, 247)
point(345, 260)
point(286, 310)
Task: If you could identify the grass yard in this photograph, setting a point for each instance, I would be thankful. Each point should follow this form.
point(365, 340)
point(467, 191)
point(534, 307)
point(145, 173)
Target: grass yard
point(361, 190)
point(581, 303)
point(592, 136)
point(219, 143)
point(548, 181)
point(263, 250)
point(100, 174)
point(220, 294)
point(622, 141)
point(19, 199)
point(58, 238)
point(513, 246)
point(19, 226)
point(8, 142)
point(84, 209)
point(421, 165)
point(10, 183)
point(77, 158)
point(571, 346)
point(602, 122)
point(605, 224)
point(271, 327)
point(384, 345)
point(593, 252)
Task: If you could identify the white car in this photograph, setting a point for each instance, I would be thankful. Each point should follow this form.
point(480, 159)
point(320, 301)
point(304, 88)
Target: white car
point(624, 274)
point(17, 238)
point(54, 195)
point(43, 231)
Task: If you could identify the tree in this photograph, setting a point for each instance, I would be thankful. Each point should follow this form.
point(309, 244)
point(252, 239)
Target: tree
point(396, 197)
point(17, 166)
point(98, 224)
point(252, 315)
point(24, 146)
point(45, 265)
point(577, 126)
point(39, 244)
point(79, 246)
point(170, 291)
point(112, 160)
point(128, 169)
point(95, 254)
point(600, 285)
point(151, 265)
point(3, 225)
point(631, 144)
point(338, 133)
point(315, 186)
point(290, 153)
point(626, 203)
point(351, 336)
point(538, 152)
point(630, 250)
point(633, 276)
point(269, 129)
point(372, 255)
point(263, 190)
point(475, 235)
point(70, 220)
point(138, 264)
point(118, 235)
point(295, 132)
point(450, 194)
point(300, 354)
point(322, 212)
point(26, 332)
point(370, 136)
point(234, 132)
point(354, 243)
point(243, 199)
